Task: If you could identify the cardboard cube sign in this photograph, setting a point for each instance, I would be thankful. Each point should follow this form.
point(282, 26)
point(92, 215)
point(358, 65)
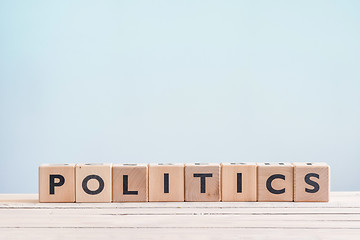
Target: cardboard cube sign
point(177, 182)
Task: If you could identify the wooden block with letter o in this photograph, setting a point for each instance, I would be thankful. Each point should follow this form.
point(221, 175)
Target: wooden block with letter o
point(130, 182)
point(311, 182)
point(202, 182)
point(166, 182)
point(93, 182)
point(239, 182)
point(275, 182)
point(57, 183)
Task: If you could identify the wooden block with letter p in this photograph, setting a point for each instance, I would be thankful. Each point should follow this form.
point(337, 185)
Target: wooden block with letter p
point(202, 182)
point(311, 182)
point(166, 182)
point(93, 182)
point(130, 182)
point(239, 182)
point(57, 183)
point(275, 182)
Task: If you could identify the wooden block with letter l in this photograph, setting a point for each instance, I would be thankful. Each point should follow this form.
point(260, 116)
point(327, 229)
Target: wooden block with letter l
point(57, 183)
point(275, 182)
point(166, 182)
point(130, 182)
point(311, 182)
point(239, 182)
point(93, 182)
point(202, 182)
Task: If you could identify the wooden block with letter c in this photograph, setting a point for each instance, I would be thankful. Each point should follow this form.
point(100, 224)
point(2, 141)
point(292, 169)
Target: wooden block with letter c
point(275, 182)
point(93, 182)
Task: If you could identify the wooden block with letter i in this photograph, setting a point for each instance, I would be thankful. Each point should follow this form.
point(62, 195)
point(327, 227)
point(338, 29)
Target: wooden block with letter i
point(93, 182)
point(275, 182)
point(311, 182)
point(166, 182)
point(239, 182)
point(202, 182)
point(130, 182)
point(57, 183)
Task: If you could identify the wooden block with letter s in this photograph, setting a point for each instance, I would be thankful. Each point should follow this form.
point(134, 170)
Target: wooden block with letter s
point(57, 183)
point(130, 182)
point(202, 182)
point(275, 182)
point(239, 182)
point(93, 182)
point(311, 182)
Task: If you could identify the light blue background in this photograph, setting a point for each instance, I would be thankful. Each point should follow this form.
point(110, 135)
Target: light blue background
point(178, 81)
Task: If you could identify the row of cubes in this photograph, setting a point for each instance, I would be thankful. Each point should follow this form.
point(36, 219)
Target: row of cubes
point(196, 182)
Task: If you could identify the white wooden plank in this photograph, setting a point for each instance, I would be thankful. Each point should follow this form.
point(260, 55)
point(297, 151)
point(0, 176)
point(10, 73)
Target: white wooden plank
point(198, 234)
point(337, 200)
point(184, 211)
point(21, 216)
point(51, 220)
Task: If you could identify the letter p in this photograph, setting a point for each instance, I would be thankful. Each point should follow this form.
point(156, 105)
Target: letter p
point(54, 184)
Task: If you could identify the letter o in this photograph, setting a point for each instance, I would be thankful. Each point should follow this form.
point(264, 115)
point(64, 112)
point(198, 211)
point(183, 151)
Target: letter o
point(97, 191)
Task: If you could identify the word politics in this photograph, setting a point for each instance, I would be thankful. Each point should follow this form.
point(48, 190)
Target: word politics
point(195, 182)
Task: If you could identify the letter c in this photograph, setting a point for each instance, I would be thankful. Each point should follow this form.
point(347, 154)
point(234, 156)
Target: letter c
point(269, 181)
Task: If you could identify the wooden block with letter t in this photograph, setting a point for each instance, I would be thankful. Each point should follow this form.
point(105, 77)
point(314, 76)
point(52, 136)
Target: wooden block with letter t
point(57, 183)
point(239, 182)
point(130, 182)
point(166, 182)
point(202, 182)
point(311, 182)
point(275, 182)
point(93, 182)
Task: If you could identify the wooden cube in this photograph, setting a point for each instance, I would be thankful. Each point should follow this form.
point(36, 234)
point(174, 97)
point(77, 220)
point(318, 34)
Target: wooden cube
point(275, 182)
point(130, 182)
point(239, 182)
point(57, 183)
point(93, 182)
point(311, 182)
point(166, 182)
point(202, 182)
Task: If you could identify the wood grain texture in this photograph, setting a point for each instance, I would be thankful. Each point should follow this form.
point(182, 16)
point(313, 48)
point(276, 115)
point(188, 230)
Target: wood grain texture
point(268, 170)
point(320, 174)
point(23, 217)
point(174, 175)
point(136, 182)
point(246, 189)
point(63, 193)
point(200, 187)
point(98, 185)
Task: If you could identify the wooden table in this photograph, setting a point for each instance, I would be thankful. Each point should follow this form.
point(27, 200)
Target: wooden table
point(22, 217)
